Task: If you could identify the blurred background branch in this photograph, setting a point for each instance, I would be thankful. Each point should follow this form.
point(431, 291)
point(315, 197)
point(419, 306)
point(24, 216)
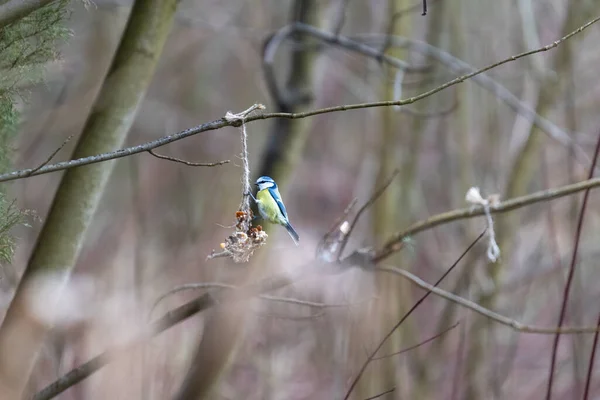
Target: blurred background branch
point(277, 282)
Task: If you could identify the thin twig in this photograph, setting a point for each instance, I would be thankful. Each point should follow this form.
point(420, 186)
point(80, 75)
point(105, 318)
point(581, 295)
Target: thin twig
point(396, 15)
point(218, 254)
point(188, 286)
point(432, 114)
point(408, 313)
point(459, 362)
point(381, 394)
point(364, 207)
point(588, 379)
point(340, 17)
point(221, 123)
point(54, 153)
point(331, 239)
point(191, 164)
point(431, 339)
point(567, 288)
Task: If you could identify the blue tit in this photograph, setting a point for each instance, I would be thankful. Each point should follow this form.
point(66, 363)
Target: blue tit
point(271, 206)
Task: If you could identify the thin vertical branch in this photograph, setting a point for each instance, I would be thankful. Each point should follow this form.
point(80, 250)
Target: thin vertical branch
point(431, 339)
point(567, 288)
point(340, 17)
point(459, 362)
point(365, 206)
point(588, 379)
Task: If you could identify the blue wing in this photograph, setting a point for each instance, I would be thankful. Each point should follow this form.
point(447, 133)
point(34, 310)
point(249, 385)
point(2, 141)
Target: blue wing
point(275, 194)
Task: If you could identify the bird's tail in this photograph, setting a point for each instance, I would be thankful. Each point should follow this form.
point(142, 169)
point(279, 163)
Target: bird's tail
point(292, 233)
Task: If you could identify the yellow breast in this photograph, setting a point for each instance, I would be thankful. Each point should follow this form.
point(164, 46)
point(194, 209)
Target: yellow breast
point(268, 207)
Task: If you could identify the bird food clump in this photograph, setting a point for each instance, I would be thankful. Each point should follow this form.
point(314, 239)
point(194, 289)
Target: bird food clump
point(244, 241)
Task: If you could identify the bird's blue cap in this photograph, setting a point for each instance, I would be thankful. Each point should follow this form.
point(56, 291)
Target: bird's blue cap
point(264, 179)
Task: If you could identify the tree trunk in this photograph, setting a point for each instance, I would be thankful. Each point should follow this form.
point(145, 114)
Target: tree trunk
point(79, 192)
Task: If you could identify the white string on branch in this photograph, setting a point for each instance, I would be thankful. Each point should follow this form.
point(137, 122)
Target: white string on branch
point(231, 117)
point(474, 197)
point(245, 239)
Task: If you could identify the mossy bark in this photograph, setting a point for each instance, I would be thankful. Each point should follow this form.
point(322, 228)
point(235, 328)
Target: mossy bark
point(13, 10)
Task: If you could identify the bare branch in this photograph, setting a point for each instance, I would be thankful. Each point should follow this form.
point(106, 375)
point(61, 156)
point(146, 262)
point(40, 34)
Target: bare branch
point(395, 241)
point(221, 123)
point(501, 319)
point(191, 164)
